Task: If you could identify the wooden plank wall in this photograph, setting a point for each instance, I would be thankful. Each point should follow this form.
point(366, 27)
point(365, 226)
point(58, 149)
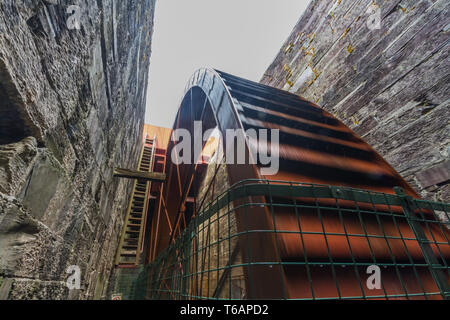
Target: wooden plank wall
point(162, 135)
point(390, 85)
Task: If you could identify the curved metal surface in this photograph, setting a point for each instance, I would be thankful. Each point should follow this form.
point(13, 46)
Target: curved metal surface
point(315, 147)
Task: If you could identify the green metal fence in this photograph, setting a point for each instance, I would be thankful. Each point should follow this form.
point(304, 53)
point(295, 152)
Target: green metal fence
point(325, 239)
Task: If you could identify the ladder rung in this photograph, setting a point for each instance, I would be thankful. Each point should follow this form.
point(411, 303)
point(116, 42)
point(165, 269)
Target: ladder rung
point(127, 264)
point(129, 246)
point(129, 254)
point(140, 194)
point(133, 228)
point(134, 225)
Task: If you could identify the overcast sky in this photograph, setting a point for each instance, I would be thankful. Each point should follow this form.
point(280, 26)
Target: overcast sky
point(241, 37)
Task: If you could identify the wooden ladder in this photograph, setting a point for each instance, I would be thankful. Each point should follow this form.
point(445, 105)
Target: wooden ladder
point(130, 245)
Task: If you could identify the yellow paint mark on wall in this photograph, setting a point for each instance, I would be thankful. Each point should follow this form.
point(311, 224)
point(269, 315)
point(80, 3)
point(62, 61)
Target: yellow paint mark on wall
point(316, 99)
point(289, 72)
point(350, 48)
point(316, 74)
point(311, 37)
point(289, 48)
point(311, 52)
point(288, 75)
point(289, 83)
point(405, 10)
point(345, 32)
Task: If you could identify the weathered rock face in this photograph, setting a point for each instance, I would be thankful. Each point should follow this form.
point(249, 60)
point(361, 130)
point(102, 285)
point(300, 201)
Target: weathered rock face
point(72, 104)
point(389, 81)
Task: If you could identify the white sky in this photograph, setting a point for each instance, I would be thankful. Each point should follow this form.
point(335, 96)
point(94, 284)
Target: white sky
point(241, 37)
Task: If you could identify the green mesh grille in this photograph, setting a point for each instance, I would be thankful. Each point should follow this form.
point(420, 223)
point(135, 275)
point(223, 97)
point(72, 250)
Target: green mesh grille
point(212, 258)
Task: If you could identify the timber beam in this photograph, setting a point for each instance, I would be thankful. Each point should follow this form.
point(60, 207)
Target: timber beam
point(133, 174)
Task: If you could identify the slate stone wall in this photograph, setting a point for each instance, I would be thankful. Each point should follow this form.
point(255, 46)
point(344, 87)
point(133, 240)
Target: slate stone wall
point(389, 84)
point(72, 104)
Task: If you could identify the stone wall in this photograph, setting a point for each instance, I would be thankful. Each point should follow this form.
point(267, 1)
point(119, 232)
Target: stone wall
point(72, 104)
point(389, 81)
